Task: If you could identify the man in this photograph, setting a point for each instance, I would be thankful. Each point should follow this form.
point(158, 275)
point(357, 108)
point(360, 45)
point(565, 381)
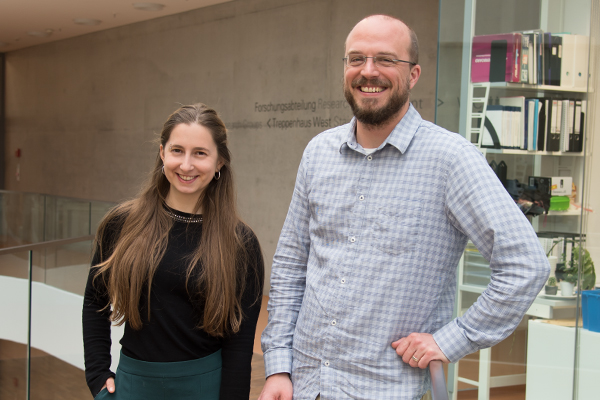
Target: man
point(364, 276)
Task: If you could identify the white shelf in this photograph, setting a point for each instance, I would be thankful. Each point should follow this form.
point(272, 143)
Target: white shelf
point(525, 86)
point(485, 150)
point(566, 213)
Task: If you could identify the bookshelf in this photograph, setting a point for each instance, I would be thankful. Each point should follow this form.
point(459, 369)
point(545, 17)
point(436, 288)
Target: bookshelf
point(486, 17)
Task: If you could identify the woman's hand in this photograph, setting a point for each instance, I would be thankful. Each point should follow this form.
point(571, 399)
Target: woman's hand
point(110, 385)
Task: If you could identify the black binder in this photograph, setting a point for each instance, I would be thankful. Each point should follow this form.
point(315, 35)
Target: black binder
point(498, 61)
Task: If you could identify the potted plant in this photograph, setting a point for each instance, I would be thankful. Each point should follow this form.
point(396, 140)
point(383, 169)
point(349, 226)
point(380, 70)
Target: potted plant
point(567, 284)
point(588, 271)
point(568, 272)
point(551, 287)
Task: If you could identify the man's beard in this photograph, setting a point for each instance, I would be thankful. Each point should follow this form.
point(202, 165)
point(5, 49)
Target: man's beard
point(376, 116)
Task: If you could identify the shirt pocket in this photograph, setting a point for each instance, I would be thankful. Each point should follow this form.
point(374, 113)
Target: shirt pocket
point(396, 226)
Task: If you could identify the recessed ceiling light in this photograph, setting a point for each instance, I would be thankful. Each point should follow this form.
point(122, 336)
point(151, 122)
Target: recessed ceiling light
point(148, 6)
point(45, 33)
point(87, 21)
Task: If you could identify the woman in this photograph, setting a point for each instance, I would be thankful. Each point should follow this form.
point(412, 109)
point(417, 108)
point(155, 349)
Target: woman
point(181, 271)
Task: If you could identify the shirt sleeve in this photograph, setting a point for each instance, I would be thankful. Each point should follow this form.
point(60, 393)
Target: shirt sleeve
point(96, 316)
point(237, 349)
point(288, 279)
point(96, 330)
point(480, 207)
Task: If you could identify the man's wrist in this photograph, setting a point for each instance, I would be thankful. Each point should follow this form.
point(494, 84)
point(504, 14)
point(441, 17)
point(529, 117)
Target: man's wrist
point(452, 342)
point(280, 375)
point(278, 361)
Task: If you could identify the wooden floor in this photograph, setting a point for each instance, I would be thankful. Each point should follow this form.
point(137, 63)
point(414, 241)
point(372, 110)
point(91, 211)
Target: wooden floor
point(258, 376)
point(51, 378)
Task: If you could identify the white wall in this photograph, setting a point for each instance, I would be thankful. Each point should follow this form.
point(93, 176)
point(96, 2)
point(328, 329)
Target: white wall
point(56, 320)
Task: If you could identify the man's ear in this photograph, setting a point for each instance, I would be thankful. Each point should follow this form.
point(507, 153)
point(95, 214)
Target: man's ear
point(415, 73)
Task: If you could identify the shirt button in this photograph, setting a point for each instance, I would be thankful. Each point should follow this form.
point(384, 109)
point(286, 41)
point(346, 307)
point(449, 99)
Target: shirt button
point(369, 158)
point(333, 322)
point(352, 239)
point(343, 280)
point(326, 363)
point(361, 197)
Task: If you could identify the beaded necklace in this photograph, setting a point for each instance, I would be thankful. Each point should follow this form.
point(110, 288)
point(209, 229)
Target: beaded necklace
point(181, 218)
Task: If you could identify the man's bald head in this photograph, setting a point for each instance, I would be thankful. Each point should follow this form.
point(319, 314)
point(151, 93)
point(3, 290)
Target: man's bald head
point(373, 20)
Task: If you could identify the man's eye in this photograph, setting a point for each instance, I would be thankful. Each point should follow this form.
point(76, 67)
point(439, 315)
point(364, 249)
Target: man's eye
point(356, 59)
point(385, 60)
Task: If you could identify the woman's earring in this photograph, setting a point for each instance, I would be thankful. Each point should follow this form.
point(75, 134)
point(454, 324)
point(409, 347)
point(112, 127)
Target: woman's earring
point(217, 177)
point(163, 169)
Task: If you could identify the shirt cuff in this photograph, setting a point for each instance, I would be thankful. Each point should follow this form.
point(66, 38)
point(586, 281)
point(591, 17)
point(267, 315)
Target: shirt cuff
point(453, 342)
point(278, 361)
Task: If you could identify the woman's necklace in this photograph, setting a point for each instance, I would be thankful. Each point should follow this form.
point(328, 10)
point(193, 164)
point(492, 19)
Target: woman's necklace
point(181, 218)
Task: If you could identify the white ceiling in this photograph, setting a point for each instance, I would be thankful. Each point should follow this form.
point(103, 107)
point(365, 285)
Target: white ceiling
point(19, 17)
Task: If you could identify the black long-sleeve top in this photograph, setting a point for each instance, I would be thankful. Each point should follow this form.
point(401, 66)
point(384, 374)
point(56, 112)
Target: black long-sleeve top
point(172, 334)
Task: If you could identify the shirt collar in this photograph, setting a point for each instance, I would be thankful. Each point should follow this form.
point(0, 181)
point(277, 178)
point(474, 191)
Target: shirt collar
point(400, 136)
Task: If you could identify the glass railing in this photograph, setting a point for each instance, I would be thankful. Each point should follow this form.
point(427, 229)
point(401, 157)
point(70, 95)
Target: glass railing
point(41, 293)
point(45, 251)
point(27, 218)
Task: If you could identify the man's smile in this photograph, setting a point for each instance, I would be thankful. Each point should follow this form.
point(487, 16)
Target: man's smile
point(371, 89)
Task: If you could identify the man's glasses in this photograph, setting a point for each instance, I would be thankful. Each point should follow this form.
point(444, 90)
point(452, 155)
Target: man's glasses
point(381, 61)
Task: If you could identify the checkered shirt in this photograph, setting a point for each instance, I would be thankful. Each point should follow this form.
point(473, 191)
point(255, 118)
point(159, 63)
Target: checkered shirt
point(368, 254)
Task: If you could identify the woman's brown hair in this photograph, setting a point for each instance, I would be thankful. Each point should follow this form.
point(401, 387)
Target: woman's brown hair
point(143, 239)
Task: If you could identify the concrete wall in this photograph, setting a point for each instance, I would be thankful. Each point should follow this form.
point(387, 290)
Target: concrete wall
point(85, 111)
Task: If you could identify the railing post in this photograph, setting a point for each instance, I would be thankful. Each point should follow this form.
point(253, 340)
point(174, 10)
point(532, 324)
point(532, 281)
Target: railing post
point(438, 381)
point(28, 372)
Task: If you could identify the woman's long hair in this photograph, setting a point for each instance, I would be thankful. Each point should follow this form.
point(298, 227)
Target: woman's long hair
point(144, 235)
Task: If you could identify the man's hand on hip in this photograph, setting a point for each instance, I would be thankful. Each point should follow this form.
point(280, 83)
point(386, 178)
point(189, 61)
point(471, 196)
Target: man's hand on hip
point(277, 387)
point(418, 349)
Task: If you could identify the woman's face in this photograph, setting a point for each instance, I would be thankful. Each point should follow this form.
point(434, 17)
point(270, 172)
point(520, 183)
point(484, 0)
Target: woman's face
point(190, 161)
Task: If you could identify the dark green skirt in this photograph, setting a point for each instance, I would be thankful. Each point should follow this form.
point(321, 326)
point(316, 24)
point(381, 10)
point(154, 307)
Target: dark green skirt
point(186, 380)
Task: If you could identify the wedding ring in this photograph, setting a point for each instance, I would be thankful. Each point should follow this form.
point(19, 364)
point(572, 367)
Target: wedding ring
point(415, 359)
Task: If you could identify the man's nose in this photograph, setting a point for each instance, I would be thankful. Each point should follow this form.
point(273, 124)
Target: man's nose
point(370, 68)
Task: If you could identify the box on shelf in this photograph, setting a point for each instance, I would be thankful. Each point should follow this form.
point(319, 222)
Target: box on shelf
point(559, 203)
point(590, 308)
point(561, 185)
point(496, 58)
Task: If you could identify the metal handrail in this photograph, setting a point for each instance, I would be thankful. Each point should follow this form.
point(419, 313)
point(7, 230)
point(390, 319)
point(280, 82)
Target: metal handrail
point(439, 390)
point(43, 245)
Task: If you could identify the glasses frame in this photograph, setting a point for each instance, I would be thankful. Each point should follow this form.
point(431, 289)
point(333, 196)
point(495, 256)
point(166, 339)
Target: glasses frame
point(396, 61)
